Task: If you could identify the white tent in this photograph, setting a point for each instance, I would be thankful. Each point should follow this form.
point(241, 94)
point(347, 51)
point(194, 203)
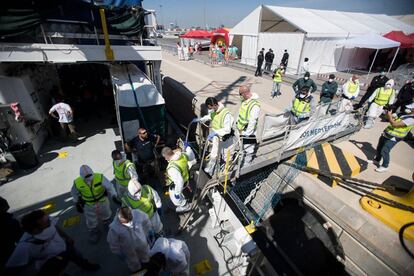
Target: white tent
point(370, 41)
point(308, 33)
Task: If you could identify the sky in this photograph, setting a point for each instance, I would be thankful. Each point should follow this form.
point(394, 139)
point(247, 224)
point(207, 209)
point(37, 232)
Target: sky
point(189, 13)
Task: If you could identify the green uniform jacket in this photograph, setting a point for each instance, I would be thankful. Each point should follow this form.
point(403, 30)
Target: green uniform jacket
point(299, 83)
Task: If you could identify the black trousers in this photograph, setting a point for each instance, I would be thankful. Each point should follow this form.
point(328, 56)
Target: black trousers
point(366, 96)
point(258, 69)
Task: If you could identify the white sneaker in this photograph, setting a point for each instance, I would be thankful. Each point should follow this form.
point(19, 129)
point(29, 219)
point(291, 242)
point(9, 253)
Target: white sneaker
point(183, 209)
point(381, 169)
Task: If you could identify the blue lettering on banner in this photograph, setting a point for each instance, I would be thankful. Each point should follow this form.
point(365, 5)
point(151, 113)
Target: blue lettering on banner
point(316, 131)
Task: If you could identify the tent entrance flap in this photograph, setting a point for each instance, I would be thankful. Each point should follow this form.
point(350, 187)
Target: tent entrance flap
point(145, 105)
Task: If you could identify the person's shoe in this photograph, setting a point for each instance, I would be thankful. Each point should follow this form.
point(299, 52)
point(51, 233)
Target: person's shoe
point(94, 236)
point(381, 169)
point(89, 266)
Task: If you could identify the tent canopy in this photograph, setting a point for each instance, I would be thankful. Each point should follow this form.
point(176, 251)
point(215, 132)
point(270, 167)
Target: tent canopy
point(220, 34)
point(316, 23)
point(405, 40)
point(197, 34)
point(370, 41)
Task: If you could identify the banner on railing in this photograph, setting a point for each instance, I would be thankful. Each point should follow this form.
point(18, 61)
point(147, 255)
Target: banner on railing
point(314, 131)
point(274, 125)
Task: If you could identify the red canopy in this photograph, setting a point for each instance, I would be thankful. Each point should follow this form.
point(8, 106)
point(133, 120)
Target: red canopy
point(407, 41)
point(197, 34)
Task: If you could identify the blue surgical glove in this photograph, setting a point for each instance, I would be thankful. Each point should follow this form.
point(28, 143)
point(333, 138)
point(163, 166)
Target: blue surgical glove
point(352, 98)
point(177, 196)
point(159, 211)
point(186, 144)
point(195, 120)
point(211, 135)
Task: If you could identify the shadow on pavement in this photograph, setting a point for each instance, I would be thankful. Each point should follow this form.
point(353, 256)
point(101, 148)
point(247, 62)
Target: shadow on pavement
point(367, 148)
point(298, 231)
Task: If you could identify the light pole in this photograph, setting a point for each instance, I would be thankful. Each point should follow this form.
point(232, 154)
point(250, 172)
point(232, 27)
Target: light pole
point(205, 25)
point(162, 17)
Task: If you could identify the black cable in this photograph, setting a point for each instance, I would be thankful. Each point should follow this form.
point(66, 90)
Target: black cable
point(219, 237)
point(401, 237)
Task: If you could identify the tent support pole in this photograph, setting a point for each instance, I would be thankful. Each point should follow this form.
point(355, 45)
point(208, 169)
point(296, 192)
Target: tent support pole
point(393, 59)
point(301, 55)
point(372, 63)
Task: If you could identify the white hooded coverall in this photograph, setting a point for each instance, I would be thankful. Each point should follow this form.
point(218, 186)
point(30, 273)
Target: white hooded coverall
point(155, 220)
point(176, 193)
point(346, 104)
point(176, 254)
point(217, 143)
point(375, 110)
point(130, 242)
point(98, 210)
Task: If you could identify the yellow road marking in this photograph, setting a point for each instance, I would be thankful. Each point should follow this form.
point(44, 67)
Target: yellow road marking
point(312, 160)
point(333, 164)
point(352, 162)
point(71, 221)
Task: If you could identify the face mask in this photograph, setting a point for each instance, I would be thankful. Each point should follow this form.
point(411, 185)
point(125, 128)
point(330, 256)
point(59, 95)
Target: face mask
point(46, 234)
point(382, 73)
point(388, 85)
point(118, 162)
point(210, 111)
point(128, 224)
point(407, 111)
point(330, 80)
point(137, 195)
point(302, 96)
point(241, 98)
point(306, 78)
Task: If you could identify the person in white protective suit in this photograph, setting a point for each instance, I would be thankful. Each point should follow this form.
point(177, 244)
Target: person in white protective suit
point(180, 52)
point(221, 131)
point(89, 192)
point(247, 122)
point(128, 237)
point(350, 91)
point(382, 97)
point(178, 176)
point(147, 200)
point(176, 253)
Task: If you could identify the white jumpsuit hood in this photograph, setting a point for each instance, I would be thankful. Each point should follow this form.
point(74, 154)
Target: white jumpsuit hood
point(176, 254)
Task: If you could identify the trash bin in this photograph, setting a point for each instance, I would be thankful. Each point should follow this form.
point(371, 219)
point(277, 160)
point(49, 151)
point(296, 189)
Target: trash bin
point(24, 154)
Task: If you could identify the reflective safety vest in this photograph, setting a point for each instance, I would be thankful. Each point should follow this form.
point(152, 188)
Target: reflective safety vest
point(278, 75)
point(398, 132)
point(244, 114)
point(181, 165)
point(93, 193)
point(217, 119)
point(353, 87)
point(144, 204)
point(300, 106)
point(383, 96)
point(121, 172)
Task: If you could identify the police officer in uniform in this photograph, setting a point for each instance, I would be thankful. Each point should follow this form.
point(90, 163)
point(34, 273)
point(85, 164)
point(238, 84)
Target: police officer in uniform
point(247, 122)
point(90, 194)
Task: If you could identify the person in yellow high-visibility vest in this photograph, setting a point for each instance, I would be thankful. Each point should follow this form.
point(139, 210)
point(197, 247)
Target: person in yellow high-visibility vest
point(146, 199)
point(303, 106)
point(89, 192)
point(247, 122)
point(396, 131)
point(382, 96)
point(350, 91)
point(221, 131)
point(277, 81)
point(178, 177)
point(124, 171)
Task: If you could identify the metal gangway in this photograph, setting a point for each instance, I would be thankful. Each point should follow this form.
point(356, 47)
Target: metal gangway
point(278, 139)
